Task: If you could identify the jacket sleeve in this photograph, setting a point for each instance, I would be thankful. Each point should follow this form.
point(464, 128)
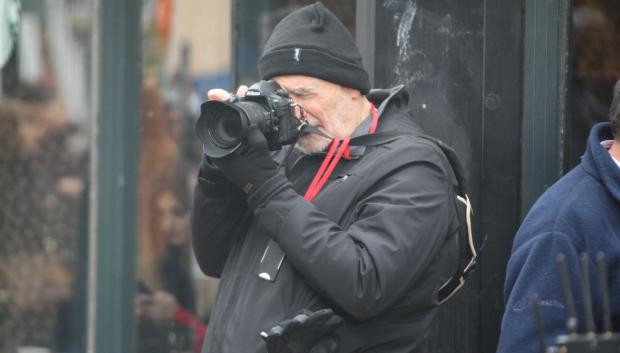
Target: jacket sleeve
point(532, 272)
point(219, 217)
point(400, 224)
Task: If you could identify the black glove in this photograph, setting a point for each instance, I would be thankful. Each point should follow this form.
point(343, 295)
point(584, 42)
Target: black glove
point(209, 171)
point(307, 332)
point(251, 165)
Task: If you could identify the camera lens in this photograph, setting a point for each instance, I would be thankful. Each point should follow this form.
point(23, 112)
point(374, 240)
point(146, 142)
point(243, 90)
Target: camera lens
point(222, 126)
point(225, 127)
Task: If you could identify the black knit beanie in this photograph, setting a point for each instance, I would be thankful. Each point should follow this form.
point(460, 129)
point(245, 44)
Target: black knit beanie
point(312, 41)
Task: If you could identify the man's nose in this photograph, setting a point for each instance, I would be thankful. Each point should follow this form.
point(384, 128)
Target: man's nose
point(299, 112)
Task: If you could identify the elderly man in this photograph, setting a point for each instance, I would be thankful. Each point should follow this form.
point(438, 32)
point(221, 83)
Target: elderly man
point(578, 214)
point(374, 240)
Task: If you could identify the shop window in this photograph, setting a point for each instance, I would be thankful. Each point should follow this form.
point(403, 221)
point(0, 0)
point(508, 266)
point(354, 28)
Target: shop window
point(595, 69)
point(44, 137)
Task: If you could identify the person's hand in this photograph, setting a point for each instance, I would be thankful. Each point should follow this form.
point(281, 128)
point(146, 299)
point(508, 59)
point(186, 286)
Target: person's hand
point(163, 306)
point(50, 282)
point(307, 332)
point(70, 186)
point(251, 165)
point(218, 94)
point(160, 306)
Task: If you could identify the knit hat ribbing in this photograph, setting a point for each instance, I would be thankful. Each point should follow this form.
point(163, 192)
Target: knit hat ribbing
point(312, 41)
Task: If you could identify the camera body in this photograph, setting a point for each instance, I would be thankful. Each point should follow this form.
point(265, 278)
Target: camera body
point(222, 126)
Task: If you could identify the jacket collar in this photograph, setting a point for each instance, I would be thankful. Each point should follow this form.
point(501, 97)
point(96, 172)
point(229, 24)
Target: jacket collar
point(598, 162)
point(380, 98)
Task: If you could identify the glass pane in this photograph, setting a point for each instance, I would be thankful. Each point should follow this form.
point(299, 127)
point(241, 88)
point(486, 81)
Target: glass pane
point(186, 51)
point(596, 67)
point(44, 148)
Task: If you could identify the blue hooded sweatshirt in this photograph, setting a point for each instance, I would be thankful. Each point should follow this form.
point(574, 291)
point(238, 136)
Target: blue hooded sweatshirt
point(578, 214)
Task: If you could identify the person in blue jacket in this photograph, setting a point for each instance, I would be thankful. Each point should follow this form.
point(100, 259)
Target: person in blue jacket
point(578, 214)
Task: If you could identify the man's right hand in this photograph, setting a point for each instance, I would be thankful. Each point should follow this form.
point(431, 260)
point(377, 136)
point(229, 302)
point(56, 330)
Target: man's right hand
point(218, 94)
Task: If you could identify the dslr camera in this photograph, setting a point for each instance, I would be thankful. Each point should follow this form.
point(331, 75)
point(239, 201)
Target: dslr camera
point(222, 126)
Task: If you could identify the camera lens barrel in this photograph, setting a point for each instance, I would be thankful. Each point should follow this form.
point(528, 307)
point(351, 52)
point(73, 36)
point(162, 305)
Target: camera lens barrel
point(225, 126)
point(222, 126)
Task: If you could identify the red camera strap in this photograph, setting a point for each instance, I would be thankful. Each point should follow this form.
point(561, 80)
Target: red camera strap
point(337, 149)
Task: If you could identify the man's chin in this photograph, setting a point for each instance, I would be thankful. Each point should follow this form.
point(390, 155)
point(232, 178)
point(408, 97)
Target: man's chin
point(312, 144)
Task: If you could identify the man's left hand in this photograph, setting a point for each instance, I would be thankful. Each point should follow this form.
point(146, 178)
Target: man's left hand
point(251, 165)
point(307, 332)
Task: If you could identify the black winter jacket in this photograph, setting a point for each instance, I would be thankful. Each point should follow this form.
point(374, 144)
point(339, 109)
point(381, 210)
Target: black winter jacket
point(375, 244)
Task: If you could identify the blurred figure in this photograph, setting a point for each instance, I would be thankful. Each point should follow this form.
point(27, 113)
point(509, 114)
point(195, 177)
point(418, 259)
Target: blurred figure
point(173, 307)
point(596, 66)
point(41, 185)
point(158, 154)
point(165, 304)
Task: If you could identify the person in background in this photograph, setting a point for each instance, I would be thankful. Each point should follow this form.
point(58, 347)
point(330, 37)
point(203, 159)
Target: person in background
point(165, 303)
point(579, 214)
point(41, 183)
point(174, 303)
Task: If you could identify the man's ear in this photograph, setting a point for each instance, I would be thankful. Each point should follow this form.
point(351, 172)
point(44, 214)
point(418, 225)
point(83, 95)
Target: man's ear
point(352, 93)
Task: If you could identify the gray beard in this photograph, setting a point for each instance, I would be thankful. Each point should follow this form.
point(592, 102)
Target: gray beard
point(302, 149)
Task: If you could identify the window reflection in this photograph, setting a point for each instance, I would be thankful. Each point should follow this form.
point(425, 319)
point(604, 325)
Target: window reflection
point(186, 51)
point(43, 179)
point(165, 283)
point(596, 67)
